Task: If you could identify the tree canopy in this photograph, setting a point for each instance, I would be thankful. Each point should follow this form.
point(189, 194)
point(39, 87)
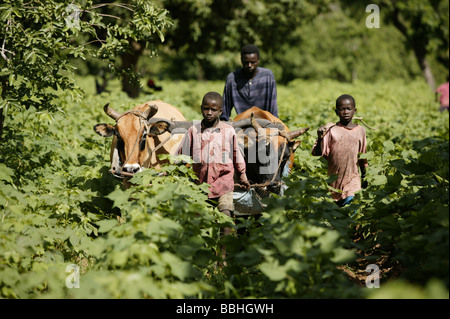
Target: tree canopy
point(309, 39)
point(40, 40)
point(200, 39)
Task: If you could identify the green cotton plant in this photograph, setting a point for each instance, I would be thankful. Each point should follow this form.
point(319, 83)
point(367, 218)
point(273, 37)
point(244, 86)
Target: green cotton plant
point(401, 219)
point(304, 263)
point(48, 208)
point(403, 215)
point(60, 207)
point(295, 248)
point(281, 257)
point(50, 198)
point(166, 235)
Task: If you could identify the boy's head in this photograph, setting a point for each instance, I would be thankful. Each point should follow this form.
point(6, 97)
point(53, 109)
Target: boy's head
point(345, 108)
point(212, 107)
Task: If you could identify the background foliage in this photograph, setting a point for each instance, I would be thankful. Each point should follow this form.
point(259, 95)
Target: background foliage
point(306, 39)
point(159, 239)
point(60, 206)
point(40, 40)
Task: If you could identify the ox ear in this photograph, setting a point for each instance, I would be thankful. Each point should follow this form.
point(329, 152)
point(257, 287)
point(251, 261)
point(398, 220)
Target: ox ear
point(105, 130)
point(159, 128)
point(295, 145)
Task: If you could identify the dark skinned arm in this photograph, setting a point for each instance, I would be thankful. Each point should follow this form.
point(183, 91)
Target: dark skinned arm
point(317, 150)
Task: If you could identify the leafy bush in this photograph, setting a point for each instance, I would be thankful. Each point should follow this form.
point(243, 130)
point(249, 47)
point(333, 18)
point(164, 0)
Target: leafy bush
point(160, 238)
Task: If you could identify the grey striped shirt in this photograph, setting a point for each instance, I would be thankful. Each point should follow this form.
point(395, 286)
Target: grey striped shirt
point(242, 93)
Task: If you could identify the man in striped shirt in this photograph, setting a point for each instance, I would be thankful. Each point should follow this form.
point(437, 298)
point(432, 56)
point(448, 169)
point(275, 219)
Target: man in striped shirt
point(249, 86)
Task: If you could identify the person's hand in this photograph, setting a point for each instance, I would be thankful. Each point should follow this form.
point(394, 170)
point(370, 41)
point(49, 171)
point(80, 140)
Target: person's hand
point(246, 185)
point(321, 131)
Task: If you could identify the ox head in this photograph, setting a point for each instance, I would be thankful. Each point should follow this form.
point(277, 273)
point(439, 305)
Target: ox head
point(268, 149)
point(130, 151)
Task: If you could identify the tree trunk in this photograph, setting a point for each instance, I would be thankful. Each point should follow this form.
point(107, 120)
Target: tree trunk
point(2, 120)
point(418, 43)
point(130, 61)
point(4, 87)
point(420, 53)
point(428, 74)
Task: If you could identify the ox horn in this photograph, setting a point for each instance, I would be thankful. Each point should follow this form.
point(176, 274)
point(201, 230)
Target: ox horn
point(151, 111)
point(111, 113)
point(255, 123)
point(293, 134)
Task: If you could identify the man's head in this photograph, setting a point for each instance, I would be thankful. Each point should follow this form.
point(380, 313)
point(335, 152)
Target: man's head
point(345, 108)
point(212, 107)
point(249, 59)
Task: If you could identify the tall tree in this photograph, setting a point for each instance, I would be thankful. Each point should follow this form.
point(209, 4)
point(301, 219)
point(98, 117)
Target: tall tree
point(205, 33)
point(39, 39)
point(147, 24)
point(205, 28)
point(424, 24)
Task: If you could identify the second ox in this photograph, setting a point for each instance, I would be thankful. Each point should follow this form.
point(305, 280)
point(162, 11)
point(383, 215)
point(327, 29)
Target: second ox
point(268, 146)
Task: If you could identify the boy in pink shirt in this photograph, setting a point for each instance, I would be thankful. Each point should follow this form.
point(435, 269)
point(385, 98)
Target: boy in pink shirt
point(443, 98)
point(213, 146)
point(340, 143)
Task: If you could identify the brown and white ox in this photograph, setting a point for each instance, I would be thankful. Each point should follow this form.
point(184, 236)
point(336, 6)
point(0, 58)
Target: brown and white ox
point(268, 147)
point(140, 135)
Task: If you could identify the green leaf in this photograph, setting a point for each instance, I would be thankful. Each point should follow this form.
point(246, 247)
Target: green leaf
point(106, 225)
point(273, 270)
point(119, 257)
point(6, 173)
point(74, 239)
point(119, 197)
point(379, 180)
point(388, 146)
point(328, 241)
point(342, 256)
point(17, 12)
